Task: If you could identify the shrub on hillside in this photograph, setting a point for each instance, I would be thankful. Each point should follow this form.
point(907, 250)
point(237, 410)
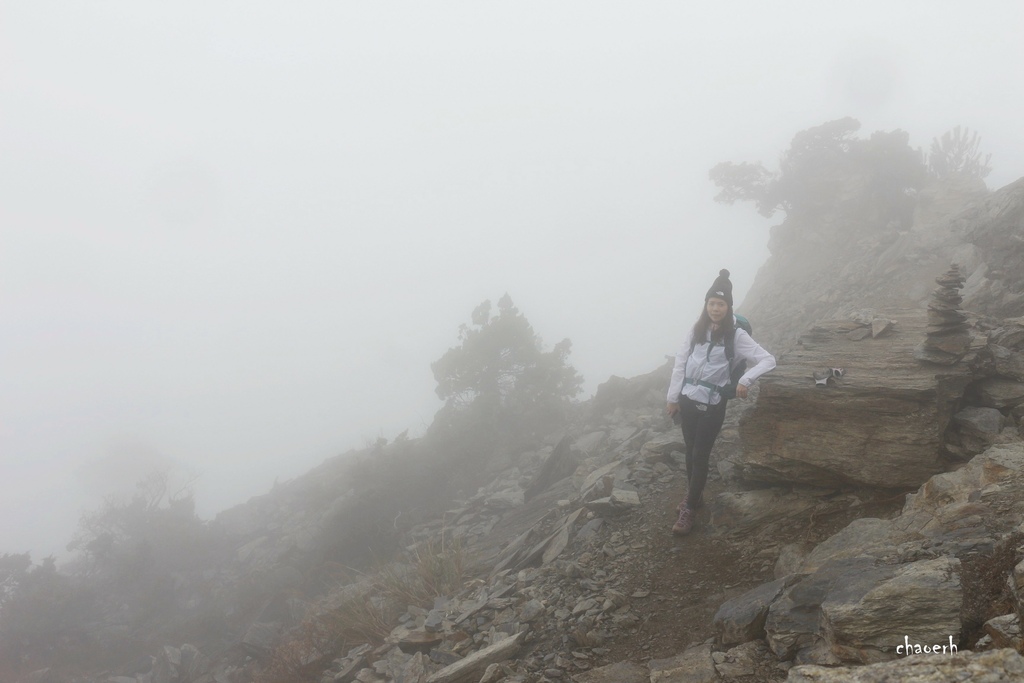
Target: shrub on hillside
point(821, 168)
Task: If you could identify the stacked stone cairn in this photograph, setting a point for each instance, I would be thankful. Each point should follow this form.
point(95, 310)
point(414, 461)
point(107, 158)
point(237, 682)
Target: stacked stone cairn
point(949, 337)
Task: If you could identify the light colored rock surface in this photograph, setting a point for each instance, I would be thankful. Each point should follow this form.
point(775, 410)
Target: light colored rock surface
point(987, 495)
point(1004, 631)
point(866, 616)
point(791, 557)
point(473, 666)
point(740, 660)
point(995, 666)
point(695, 665)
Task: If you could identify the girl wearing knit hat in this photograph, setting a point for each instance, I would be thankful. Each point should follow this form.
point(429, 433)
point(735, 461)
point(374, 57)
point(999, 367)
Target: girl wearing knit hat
point(702, 370)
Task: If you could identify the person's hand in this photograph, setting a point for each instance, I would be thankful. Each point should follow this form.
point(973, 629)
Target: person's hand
point(671, 408)
point(742, 391)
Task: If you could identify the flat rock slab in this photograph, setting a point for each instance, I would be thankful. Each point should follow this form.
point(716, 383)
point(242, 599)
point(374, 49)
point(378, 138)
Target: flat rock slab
point(621, 500)
point(878, 425)
point(695, 665)
point(473, 666)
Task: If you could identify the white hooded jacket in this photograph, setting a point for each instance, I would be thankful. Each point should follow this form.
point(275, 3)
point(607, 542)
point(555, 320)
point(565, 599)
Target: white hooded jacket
point(696, 373)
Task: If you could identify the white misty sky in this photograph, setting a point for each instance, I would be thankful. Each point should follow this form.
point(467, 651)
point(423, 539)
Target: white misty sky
point(234, 236)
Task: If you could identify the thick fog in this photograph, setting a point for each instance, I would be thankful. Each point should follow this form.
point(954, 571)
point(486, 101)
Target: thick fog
point(234, 236)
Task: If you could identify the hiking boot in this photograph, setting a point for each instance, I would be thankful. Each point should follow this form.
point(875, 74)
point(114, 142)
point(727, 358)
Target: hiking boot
point(684, 523)
point(686, 498)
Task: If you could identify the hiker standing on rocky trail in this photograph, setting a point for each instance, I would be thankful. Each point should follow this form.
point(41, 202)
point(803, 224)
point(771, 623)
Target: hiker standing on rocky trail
point(709, 370)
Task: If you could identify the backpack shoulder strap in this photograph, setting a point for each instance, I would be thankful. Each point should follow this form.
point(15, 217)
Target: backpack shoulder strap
point(730, 347)
point(693, 344)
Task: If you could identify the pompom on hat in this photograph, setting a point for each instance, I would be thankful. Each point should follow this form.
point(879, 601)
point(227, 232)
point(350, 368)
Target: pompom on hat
point(722, 288)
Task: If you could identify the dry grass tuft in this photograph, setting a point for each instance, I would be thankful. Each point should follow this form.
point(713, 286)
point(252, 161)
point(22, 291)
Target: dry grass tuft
point(983, 579)
point(436, 568)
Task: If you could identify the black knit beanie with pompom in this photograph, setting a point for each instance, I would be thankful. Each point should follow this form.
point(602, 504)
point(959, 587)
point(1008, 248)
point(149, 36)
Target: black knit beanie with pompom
point(722, 289)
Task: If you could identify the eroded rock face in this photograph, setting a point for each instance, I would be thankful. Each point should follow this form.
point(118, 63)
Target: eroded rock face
point(998, 288)
point(828, 265)
point(857, 594)
point(880, 424)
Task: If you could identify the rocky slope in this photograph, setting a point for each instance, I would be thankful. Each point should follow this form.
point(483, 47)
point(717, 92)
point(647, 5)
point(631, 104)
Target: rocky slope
point(809, 557)
point(834, 267)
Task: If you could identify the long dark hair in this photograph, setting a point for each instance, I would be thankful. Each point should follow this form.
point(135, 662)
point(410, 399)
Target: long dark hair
point(703, 324)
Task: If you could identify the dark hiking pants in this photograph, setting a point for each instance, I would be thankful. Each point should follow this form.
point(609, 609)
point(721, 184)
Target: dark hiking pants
point(700, 429)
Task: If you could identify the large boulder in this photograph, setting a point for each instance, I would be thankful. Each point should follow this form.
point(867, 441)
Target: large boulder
point(880, 424)
point(984, 499)
point(858, 610)
point(867, 616)
point(793, 624)
point(741, 619)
